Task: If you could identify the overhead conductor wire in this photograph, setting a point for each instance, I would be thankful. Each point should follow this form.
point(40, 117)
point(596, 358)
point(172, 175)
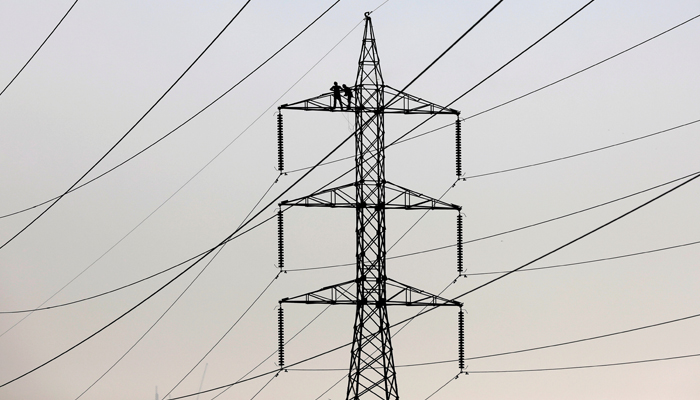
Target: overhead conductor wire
point(334, 149)
point(181, 294)
point(172, 195)
point(128, 131)
point(518, 98)
point(410, 83)
point(39, 48)
point(244, 224)
point(471, 290)
point(431, 131)
point(188, 119)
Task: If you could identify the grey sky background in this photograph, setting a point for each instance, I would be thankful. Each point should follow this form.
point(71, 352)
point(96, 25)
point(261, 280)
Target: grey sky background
point(109, 61)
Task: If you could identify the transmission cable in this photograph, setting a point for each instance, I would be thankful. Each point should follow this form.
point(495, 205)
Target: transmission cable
point(448, 361)
point(39, 48)
point(152, 325)
point(590, 261)
point(494, 72)
point(428, 309)
point(188, 119)
point(369, 120)
point(697, 175)
point(130, 129)
point(411, 254)
point(225, 334)
point(227, 239)
point(275, 352)
point(555, 82)
point(581, 153)
point(183, 292)
point(510, 230)
point(586, 366)
point(167, 200)
point(525, 95)
point(442, 127)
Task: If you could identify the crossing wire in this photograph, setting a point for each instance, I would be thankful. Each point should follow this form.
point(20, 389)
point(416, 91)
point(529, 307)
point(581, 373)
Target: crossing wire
point(194, 116)
point(432, 308)
point(178, 190)
point(518, 98)
point(410, 254)
point(128, 131)
point(559, 80)
point(152, 325)
point(39, 48)
point(510, 230)
point(428, 132)
point(587, 366)
point(228, 238)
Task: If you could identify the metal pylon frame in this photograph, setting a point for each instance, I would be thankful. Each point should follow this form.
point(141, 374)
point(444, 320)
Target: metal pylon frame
point(372, 373)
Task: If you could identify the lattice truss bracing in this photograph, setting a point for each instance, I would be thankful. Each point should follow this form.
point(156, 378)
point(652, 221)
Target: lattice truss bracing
point(372, 373)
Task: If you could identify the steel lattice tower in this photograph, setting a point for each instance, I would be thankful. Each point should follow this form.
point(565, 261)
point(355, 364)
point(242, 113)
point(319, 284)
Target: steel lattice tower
point(371, 374)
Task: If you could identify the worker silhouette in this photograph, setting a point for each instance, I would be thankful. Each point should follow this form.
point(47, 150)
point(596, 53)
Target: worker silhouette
point(348, 94)
point(336, 95)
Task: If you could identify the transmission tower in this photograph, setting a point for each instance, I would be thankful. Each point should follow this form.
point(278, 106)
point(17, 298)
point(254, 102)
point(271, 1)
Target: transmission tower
point(372, 373)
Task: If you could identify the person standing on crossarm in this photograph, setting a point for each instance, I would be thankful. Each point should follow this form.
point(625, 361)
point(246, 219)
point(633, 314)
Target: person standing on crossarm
point(336, 95)
point(348, 94)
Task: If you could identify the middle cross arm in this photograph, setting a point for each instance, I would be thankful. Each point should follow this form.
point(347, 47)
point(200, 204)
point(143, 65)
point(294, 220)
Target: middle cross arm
point(396, 198)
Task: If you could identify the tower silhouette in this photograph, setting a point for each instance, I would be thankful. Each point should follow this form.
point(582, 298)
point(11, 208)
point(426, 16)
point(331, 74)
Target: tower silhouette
point(372, 373)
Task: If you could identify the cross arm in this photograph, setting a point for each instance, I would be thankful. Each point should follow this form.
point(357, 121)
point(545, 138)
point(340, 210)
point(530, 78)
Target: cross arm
point(396, 198)
point(404, 103)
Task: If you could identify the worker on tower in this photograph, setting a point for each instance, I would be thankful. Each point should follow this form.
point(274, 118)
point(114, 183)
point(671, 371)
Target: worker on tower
point(336, 95)
point(348, 94)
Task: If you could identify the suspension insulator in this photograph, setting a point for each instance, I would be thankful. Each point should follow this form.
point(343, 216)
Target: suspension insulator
point(461, 340)
point(280, 336)
point(280, 240)
point(280, 144)
point(460, 250)
point(458, 146)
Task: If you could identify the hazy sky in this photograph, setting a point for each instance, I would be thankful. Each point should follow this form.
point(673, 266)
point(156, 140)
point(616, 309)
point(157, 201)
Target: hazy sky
point(109, 62)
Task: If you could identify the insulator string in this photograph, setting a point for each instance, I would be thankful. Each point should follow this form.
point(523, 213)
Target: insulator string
point(460, 251)
point(280, 143)
point(280, 335)
point(280, 240)
point(458, 146)
point(461, 340)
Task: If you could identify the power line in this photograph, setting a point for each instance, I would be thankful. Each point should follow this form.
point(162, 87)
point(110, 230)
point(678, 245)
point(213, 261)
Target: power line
point(557, 81)
point(39, 48)
point(130, 129)
point(192, 117)
point(275, 352)
point(510, 230)
point(171, 196)
point(152, 325)
point(227, 239)
point(586, 366)
point(496, 71)
point(422, 134)
point(289, 367)
point(697, 175)
point(225, 334)
point(521, 97)
point(591, 261)
point(425, 310)
point(412, 254)
point(581, 153)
